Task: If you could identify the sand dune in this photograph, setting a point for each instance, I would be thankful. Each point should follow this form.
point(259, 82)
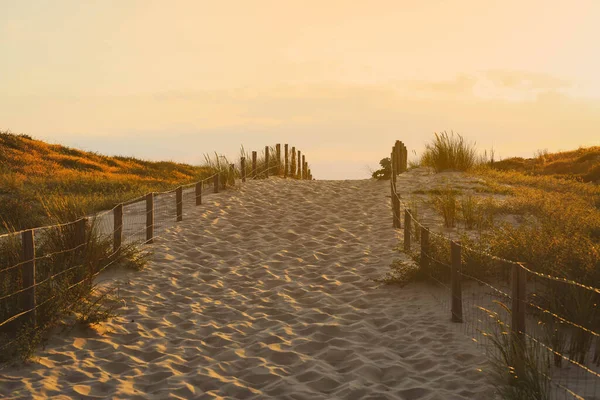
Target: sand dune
point(265, 292)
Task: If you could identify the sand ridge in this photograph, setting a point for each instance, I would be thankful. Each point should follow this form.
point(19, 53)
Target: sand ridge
point(264, 292)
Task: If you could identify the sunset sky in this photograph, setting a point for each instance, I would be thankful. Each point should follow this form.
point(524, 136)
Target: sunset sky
point(341, 80)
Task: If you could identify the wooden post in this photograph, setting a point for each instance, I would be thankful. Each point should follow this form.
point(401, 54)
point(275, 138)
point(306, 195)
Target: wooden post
point(424, 250)
point(299, 165)
point(303, 167)
point(396, 155)
point(243, 169)
point(309, 175)
point(407, 224)
point(179, 203)
point(253, 165)
point(199, 193)
point(455, 251)
point(267, 161)
point(28, 276)
point(404, 158)
point(286, 162)
point(395, 201)
point(216, 183)
point(149, 217)
point(293, 163)
point(118, 230)
point(232, 174)
point(278, 156)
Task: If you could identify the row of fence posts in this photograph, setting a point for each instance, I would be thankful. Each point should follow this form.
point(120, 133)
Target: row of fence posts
point(27, 298)
point(291, 168)
point(518, 274)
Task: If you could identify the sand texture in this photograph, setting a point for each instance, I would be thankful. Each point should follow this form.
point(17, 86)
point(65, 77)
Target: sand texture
point(265, 292)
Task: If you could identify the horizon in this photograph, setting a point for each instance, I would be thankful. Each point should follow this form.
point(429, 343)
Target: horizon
point(338, 81)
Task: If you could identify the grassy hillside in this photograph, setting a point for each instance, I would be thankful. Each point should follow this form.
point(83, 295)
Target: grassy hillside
point(38, 180)
point(582, 164)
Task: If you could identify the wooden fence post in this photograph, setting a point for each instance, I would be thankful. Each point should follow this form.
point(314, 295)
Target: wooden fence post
point(396, 155)
point(149, 217)
point(80, 225)
point(28, 276)
point(299, 174)
point(407, 233)
point(305, 170)
point(424, 264)
point(243, 169)
point(267, 161)
point(455, 251)
point(309, 175)
point(278, 156)
point(199, 193)
point(216, 183)
point(404, 158)
point(293, 163)
point(253, 165)
point(179, 203)
point(303, 167)
point(286, 162)
point(118, 230)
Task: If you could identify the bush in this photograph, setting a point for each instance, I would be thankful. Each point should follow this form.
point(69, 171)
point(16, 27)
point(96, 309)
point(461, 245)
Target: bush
point(386, 169)
point(449, 152)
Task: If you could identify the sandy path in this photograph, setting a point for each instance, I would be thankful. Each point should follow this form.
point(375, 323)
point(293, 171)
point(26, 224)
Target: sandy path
point(265, 292)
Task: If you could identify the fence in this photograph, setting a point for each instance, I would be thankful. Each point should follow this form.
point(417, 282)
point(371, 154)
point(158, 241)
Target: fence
point(541, 331)
point(48, 269)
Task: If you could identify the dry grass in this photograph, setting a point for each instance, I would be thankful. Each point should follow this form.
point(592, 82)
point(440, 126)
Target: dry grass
point(449, 152)
point(31, 170)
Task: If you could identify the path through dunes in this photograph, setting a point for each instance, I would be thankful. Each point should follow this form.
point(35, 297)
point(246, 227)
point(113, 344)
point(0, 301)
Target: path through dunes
point(265, 292)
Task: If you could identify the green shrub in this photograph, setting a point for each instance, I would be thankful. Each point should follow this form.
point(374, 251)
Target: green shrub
point(386, 169)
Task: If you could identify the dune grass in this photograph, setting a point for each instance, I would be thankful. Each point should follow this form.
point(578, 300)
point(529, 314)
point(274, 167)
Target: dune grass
point(33, 173)
point(449, 152)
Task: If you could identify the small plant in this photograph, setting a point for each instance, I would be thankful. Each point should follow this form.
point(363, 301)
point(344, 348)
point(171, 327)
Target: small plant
point(386, 169)
point(446, 204)
point(469, 209)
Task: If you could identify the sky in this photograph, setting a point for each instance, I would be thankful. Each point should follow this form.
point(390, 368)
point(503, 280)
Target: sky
point(340, 80)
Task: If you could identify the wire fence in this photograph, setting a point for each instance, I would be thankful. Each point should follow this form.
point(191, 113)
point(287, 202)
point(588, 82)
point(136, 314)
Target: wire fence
point(47, 270)
point(540, 331)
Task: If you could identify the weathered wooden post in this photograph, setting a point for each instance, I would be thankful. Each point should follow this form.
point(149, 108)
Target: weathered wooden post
point(27, 298)
point(267, 161)
point(455, 255)
point(199, 193)
point(396, 155)
point(299, 174)
point(117, 230)
point(149, 217)
point(216, 183)
point(309, 175)
point(407, 232)
point(243, 169)
point(286, 161)
point(293, 163)
point(404, 158)
point(254, 165)
point(395, 200)
point(303, 167)
point(424, 264)
point(305, 170)
point(179, 203)
point(278, 156)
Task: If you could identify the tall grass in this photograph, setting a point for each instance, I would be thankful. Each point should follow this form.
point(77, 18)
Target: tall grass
point(449, 152)
point(66, 286)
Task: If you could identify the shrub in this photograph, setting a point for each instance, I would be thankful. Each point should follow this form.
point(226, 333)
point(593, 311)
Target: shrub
point(446, 204)
point(386, 169)
point(449, 152)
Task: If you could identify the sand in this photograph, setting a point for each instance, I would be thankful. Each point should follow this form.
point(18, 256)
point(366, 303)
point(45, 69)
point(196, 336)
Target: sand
point(265, 291)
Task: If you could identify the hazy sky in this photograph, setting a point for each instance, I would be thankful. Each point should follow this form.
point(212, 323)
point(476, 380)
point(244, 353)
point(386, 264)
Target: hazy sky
point(341, 80)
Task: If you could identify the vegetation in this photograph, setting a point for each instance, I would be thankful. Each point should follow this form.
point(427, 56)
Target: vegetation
point(35, 176)
point(449, 152)
point(386, 169)
point(582, 164)
point(65, 285)
point(547, 215)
